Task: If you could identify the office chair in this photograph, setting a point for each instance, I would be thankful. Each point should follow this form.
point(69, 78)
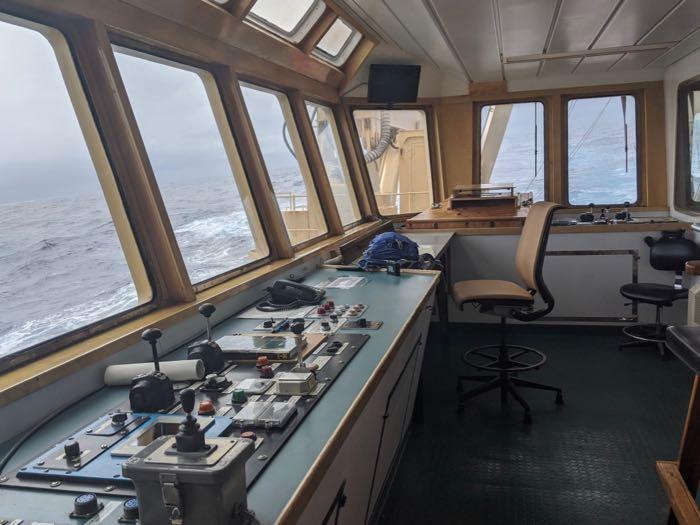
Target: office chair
point(670, 252)
point(510, 300)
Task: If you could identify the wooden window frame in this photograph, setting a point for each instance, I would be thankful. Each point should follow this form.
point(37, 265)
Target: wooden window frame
point(140, 48)
point(293, 117)
point(337, 134)
point(59, 40)
point(433, 152)
point(308, 21)
point(347, 49)
point(639, 134)
point(478, 107)
point(682, 186)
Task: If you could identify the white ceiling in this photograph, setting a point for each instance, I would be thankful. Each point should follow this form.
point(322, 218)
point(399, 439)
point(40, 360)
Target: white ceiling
point(534, 40)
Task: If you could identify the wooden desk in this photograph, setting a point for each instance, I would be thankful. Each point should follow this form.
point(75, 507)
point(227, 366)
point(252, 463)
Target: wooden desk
point(444, 219)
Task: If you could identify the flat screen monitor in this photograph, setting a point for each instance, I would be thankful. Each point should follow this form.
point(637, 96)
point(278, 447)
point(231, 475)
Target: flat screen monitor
point(393, 84)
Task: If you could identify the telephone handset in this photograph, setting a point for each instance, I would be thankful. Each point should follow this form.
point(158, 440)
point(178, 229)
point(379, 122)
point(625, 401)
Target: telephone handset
point(287, 295)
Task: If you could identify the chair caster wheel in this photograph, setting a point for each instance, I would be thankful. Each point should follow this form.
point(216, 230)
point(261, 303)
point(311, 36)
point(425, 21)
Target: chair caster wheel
point(560, 399)
point(460, 409)
point(527, 419)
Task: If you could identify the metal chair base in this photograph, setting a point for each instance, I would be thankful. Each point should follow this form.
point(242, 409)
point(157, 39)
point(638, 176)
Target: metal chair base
point(505, 361)
point(650, 334)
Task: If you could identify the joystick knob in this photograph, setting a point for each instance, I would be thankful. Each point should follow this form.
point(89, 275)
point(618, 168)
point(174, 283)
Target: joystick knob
point(207, 309)
point(151, 335)
point(297, 327)
point(187, 400)
point(72, 450)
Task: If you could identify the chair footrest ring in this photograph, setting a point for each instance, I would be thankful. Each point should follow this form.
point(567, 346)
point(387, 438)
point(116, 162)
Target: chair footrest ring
point(510, 358)
point(645, 332)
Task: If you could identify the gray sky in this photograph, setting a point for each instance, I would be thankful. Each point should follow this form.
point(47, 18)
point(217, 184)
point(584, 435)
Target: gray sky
point(42, 150)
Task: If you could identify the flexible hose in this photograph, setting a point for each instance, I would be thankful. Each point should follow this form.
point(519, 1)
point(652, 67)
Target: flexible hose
point(386, 137)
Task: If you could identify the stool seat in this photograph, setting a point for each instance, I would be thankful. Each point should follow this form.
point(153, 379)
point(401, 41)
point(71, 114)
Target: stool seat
point(684, 342)
point(653, 293)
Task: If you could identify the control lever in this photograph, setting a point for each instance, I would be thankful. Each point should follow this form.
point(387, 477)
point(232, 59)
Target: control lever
point(624, 215)
point(152, 391)
point(588, 216)
point(190, 436)
point(208, 351)
point(297, 328)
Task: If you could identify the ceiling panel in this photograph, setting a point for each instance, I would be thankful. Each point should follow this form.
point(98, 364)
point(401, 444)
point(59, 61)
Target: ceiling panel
point(579, 23)
point(678, 25)
point(474, 36)
point(521, 70)
point(558, 67)
point(525, 25)
point(633, 20)
point(683, 49)
point(637, 60)
point(597, 64)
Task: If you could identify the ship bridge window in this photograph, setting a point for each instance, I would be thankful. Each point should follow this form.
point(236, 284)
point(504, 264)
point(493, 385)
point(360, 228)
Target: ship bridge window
point(602, 163)
point(396, 151)
point(283, 153)
point(68, 257)
point(687, 180)
point(328, 139)
point(339, 41)
point(512, 148)
point(290, 19)
point(199, 173)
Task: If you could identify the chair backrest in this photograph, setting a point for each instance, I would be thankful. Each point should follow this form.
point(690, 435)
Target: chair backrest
point(529, 257)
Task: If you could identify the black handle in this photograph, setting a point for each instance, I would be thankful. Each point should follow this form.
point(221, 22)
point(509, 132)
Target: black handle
point(152, 335)
point(187, 400)
point(207, 309)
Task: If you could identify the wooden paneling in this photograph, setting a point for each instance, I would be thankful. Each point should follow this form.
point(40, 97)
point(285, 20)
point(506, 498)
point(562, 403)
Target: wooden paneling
point(458, 136)
point(315, 34)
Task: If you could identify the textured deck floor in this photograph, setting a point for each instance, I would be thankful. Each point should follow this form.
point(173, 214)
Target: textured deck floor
point(588, 462)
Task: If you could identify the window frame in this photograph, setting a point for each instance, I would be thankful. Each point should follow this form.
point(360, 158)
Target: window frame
point(433, 154)
point(257, 83)
point(476, 133)
point(138, 48)
point(639, 144)
point(58, 36)
point(298, 32)
point(345, 52)
point(682, 185)
point(334, 109)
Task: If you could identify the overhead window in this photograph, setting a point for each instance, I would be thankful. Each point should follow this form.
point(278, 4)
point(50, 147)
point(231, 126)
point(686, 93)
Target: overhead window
point(196, 164)
point(290, 19)
point(687, 180)
point(286, 164)
point(395, 147)
point(331, 149)
point(512, 146)
point(67, 255)
point(602, 150)
point(339, 41)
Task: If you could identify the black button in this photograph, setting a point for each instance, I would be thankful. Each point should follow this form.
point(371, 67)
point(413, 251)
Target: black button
point(130, 509)
point(85, 505)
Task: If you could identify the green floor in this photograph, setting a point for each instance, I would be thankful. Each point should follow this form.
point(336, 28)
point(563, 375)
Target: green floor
point(590, 461)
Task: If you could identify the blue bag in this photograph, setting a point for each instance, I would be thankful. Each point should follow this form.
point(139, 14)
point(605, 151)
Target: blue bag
point(389, 246)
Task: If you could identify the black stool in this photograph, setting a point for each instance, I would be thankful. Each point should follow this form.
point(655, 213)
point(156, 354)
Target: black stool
point(670, 253)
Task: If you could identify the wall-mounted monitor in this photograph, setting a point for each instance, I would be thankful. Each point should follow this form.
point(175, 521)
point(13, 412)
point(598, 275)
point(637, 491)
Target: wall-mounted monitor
point(393, 84)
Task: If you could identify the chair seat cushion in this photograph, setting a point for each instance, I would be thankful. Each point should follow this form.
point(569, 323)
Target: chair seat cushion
point(491, 291)
point(684, 342)
point(653, 293)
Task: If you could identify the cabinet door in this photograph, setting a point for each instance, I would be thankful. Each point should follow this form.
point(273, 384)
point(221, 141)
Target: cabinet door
point(394, 418)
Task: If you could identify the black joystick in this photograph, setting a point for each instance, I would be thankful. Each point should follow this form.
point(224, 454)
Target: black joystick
point(153, 391)
point(588, 216)
point(208, 351)
point(190, 437)
point(625, 214)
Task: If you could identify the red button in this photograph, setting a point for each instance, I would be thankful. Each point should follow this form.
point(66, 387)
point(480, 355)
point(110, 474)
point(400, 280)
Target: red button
point(206, 408)
point(262, 361)
point(330, 304)
point(249, 435)
point(321, 310)
point(266, 372)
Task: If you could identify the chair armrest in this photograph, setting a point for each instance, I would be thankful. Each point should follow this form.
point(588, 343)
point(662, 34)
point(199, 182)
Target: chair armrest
point(682, 501)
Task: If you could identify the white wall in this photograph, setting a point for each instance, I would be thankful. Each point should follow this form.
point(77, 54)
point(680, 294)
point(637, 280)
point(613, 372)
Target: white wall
point(681, 71)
